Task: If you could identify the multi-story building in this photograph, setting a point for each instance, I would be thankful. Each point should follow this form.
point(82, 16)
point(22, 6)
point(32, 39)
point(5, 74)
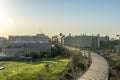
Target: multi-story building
point(104, 38)
point(55, 39)
point(58, 38)
point(82, 41)
point(2, 42)
point(20, 45)
point(39, 38)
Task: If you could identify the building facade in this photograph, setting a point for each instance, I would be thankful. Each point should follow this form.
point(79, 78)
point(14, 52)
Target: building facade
point(104, 38)
point(2, 42)
point(21, 45)
point(39, 38)
point(82, 41)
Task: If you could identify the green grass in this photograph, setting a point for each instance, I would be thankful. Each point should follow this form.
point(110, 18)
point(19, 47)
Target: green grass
point(49, 69)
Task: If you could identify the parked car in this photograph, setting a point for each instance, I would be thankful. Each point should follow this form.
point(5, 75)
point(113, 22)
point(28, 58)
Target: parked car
point(1, 68)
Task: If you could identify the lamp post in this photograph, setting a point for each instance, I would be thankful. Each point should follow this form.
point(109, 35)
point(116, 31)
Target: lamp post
point(85, 55)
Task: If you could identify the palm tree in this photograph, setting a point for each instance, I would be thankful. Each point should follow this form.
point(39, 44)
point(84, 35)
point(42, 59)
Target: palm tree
point(118, 36)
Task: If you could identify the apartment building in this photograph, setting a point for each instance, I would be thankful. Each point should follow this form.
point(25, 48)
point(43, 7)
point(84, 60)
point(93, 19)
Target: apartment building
point(2, 42)
point(104, 38)
point(83, 41)
point(20, 45)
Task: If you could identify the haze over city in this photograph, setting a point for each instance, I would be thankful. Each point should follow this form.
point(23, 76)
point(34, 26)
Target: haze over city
point(59, 39)
point(28, 17)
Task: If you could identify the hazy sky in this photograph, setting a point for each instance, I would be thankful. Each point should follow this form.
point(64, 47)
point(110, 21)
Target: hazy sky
point(28, 17)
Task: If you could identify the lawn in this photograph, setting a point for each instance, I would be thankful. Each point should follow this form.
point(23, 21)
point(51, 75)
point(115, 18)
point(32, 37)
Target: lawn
point(48, 69)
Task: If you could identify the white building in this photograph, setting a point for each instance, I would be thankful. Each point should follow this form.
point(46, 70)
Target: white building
point(58, 38)
point(39, 38)
point(2, 42)
point(20, 45)
point(55, 39)
point(82, 41)
point(104, 38)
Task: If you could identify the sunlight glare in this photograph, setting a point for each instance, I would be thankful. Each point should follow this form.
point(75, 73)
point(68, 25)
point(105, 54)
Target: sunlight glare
point(5, 20)
point(2, 14)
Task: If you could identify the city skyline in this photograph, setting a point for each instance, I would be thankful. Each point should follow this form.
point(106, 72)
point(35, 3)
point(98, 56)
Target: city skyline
point(29, 17)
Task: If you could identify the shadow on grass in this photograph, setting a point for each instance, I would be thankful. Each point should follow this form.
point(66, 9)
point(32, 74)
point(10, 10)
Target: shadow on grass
point(40, 61)
point(51, 61)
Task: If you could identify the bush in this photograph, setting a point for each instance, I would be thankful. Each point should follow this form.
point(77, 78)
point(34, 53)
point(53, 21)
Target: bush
point(35, 55)
point(76, 64)
point(117, 65)
point(43, 54)
point(56, 51)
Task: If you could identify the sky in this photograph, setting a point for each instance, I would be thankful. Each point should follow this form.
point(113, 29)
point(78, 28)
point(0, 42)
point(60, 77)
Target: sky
point(51, 17)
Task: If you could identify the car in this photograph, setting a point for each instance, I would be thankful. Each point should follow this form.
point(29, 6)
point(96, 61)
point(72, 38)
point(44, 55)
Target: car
point(1, 68)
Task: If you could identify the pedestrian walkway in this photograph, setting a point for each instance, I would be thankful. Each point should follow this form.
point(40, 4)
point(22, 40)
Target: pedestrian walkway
point(99, 69)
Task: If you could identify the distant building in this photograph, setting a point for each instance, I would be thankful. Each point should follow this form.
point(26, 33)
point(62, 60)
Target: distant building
point(39, 38)
point(82, 41)
point(2, 42)
point(55, 39)
point(58, 38)
point(104, 38)
point(20, 45)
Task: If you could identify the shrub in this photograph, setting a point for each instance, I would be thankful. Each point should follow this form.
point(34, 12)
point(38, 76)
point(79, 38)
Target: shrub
point(117, 65)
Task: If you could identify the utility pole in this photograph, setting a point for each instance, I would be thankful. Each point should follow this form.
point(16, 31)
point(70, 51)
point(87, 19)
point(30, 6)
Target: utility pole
point(89, 55)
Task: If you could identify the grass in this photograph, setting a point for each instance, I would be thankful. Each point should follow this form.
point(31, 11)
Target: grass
point(49, 69)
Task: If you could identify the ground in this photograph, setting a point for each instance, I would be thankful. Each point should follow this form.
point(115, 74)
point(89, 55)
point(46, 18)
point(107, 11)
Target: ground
point(48, 69)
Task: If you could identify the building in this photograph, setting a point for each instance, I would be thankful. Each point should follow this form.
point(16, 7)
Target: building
point(58, 38)
point(55, 39)
point(39, 38)
point(104, 38)
point(82, 41)
point(21, 45)
point(2, 42)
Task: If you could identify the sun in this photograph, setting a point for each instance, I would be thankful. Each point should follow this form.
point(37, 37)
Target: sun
point(2, 14)
point(5, 19)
